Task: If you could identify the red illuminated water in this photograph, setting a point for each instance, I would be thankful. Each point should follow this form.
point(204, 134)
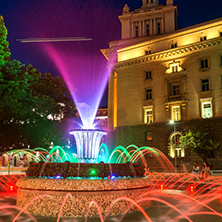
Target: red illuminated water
point(174, 197)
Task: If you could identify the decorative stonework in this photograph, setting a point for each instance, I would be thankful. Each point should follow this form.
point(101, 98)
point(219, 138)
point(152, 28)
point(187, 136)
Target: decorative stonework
point(171, 52)
point(126, 9)
point(83, 191)
point(169, 2)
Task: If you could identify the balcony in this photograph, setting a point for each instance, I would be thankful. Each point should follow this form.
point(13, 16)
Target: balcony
point(175, 98)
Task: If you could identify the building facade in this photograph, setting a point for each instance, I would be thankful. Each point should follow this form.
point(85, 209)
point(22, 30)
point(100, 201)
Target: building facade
point(162, 74)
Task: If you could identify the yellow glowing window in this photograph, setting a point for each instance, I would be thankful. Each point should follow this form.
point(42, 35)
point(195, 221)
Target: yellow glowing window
point(175, 113)
point(148, 114)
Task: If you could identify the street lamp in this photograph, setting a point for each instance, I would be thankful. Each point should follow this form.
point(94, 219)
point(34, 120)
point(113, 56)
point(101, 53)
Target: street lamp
point(175, 153)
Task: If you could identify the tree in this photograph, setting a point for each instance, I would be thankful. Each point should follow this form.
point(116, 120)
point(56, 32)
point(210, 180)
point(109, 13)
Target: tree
point(4, 45)
point(200, 141)
point(28, 99)
point(31, 106)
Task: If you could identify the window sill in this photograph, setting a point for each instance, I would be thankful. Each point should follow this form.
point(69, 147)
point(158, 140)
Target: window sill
point(147, 80)
point(204, 69)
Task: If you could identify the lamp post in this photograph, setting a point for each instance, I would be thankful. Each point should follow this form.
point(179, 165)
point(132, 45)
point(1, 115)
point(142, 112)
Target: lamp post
point(175, 153)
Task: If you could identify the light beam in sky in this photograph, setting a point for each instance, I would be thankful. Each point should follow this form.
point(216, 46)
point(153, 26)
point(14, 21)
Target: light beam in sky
point(61, 39)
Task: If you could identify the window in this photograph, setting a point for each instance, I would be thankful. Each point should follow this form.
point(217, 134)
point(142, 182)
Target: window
point(220, 60)
point(174, 88)
point(204, 64)
point(136, 31)
point(148, 94)
point(175, 113)
point(203, 38)
point(147, 52)
point(174, 45)
point(220, 34)
point(148, 75)
point(206, 108)
point(205, 86)
point(221, 81)
point(149, 136)
point(147, 29)
point(148, 114)
point(158, 28)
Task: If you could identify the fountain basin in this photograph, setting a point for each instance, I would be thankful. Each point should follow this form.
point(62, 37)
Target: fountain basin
point(83, 191)
point(95, 170)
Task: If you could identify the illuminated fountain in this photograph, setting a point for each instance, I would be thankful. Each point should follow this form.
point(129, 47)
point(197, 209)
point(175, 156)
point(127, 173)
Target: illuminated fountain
point(88, 142)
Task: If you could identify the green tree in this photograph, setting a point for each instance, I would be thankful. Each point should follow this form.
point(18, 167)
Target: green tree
point(28, 99)
point(200, 141)
point(4, 45)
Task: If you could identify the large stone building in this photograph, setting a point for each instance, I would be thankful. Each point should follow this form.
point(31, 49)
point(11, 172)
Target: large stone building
point(162, 74)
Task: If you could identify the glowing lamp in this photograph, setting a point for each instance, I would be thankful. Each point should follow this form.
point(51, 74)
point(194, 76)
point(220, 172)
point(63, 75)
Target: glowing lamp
point(58, 177)
point(191, 189)
point(93, 172)
point(162, 186)
point(11, 187)
point(113, 177)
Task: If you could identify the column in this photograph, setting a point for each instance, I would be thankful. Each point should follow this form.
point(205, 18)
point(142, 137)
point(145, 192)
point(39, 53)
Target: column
point(154, 26)
point(151, 26)
point(162, 25)
point(132, 29)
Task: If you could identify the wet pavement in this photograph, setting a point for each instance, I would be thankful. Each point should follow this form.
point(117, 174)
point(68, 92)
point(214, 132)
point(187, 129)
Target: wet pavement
point(159, 211)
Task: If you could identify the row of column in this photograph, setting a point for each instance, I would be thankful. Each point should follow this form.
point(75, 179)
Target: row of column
point(139, 28)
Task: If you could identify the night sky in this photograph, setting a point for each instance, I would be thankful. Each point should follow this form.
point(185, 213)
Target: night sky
point(21, 16)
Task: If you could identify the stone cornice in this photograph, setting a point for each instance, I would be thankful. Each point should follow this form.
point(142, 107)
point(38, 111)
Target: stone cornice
point(169, 53)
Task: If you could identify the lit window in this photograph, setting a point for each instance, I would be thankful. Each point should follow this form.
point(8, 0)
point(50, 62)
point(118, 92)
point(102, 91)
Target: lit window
point(206, 108)
point(148, 75)
point(174, 45)
point(175, 113)
point(205, 86)
point(148, 94)
point(204, 63)
point(203, 38)
point(149, 136)
point(148, 114)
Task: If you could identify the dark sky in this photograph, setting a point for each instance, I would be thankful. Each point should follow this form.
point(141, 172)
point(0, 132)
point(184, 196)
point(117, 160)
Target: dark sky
point(20, 16)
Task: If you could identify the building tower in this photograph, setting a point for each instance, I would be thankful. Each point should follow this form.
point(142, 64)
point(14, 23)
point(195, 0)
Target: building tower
point(150, 19)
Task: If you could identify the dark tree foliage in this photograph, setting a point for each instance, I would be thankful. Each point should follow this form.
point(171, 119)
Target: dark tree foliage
point(201, 141)
point(31, 104)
